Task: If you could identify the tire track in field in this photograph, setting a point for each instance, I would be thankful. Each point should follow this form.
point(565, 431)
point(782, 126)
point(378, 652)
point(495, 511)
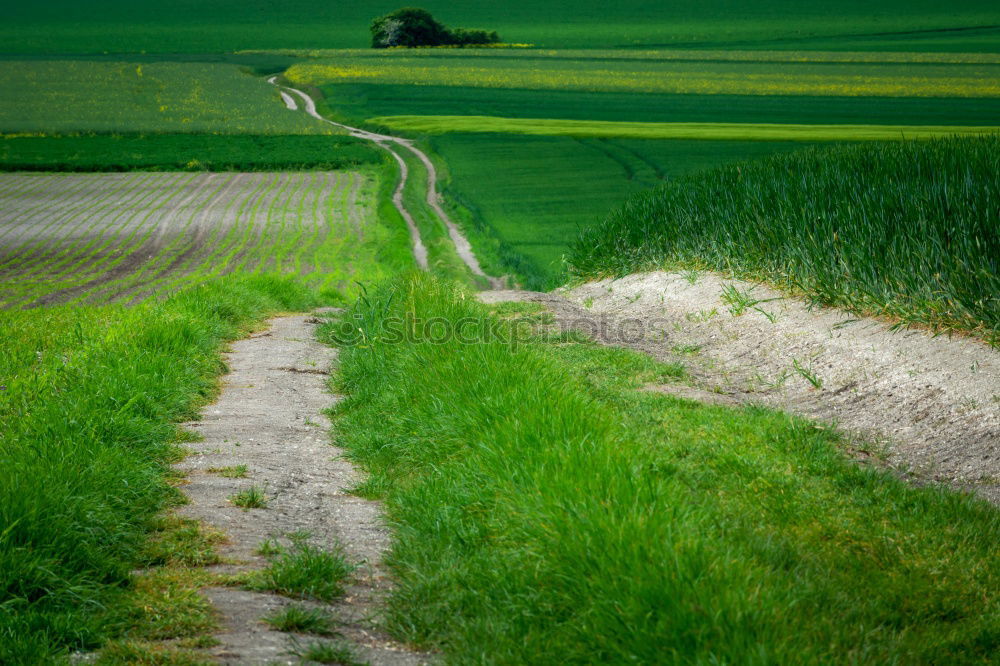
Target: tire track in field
point(462, 245)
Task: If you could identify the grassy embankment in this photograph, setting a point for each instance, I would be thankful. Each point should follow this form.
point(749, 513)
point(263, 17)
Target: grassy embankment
point(547, 511)
point(549, 142)
point(907, 230)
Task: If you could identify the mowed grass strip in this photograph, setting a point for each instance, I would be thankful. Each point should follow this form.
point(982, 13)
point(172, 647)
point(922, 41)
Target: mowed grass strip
point(638, 130)
point(548, 512)
point(907, 230)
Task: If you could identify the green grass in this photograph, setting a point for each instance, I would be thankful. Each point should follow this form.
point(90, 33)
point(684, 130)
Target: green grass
point(339, 653)
point(184, 152)
point(306, 571)
point(303, 620)
point(224, 25)
point(232, 472)
point(525, 199)
point(907, 230)
point(89, 401)
point(253, 497)
point(548, 512)
point(695, 131)
point(528, 168)
point(52, 96)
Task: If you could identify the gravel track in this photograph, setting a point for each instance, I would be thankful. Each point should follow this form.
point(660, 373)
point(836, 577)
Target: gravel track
point(270, 418)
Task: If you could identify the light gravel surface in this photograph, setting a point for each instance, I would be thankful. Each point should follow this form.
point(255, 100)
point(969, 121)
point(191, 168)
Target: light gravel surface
point(930, 404)
point(269, 417)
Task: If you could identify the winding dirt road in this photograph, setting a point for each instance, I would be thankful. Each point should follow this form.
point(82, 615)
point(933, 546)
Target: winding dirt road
point(386, 142)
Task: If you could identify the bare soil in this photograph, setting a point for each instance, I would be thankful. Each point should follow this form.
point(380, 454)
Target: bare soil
point(269, 417)
point(930, 405)
point(118, 237)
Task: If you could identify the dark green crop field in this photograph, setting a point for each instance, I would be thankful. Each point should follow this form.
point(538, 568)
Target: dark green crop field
point(183, 152)
point(550, 188)
point(62, 26)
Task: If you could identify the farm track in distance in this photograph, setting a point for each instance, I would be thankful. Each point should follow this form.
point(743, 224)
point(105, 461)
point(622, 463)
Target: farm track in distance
point(120, 237)
point(462, 245)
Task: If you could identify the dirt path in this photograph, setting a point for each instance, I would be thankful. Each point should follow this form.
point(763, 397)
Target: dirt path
point(269, 418)
point(462, 245)
point(932, 404)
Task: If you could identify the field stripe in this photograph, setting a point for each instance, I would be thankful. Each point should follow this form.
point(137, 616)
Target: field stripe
point(706, 131)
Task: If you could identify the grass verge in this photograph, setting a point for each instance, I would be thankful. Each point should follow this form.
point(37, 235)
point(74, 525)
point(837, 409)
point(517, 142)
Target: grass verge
point(904, 229)
point(547, 511)
point(89, 402)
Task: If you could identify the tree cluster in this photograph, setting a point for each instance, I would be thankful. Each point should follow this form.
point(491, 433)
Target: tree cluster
point(411, 27)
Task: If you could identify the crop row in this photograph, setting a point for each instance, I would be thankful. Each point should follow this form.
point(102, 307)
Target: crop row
point(111, 237)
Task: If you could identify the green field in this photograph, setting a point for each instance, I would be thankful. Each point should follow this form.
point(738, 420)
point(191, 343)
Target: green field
point(543, 508)
point(540, 144)
point(551, 188)
point(907, 230)
point(61, 26)
point(525, 70)
point(603, 129)
point(52, 96)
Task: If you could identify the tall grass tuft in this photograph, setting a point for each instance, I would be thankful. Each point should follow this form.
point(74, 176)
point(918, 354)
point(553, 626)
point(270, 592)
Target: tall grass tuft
point(89, 399)
point(905, 229)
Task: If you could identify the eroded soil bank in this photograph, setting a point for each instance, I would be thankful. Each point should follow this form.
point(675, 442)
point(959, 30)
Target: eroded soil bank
point(931, 404)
